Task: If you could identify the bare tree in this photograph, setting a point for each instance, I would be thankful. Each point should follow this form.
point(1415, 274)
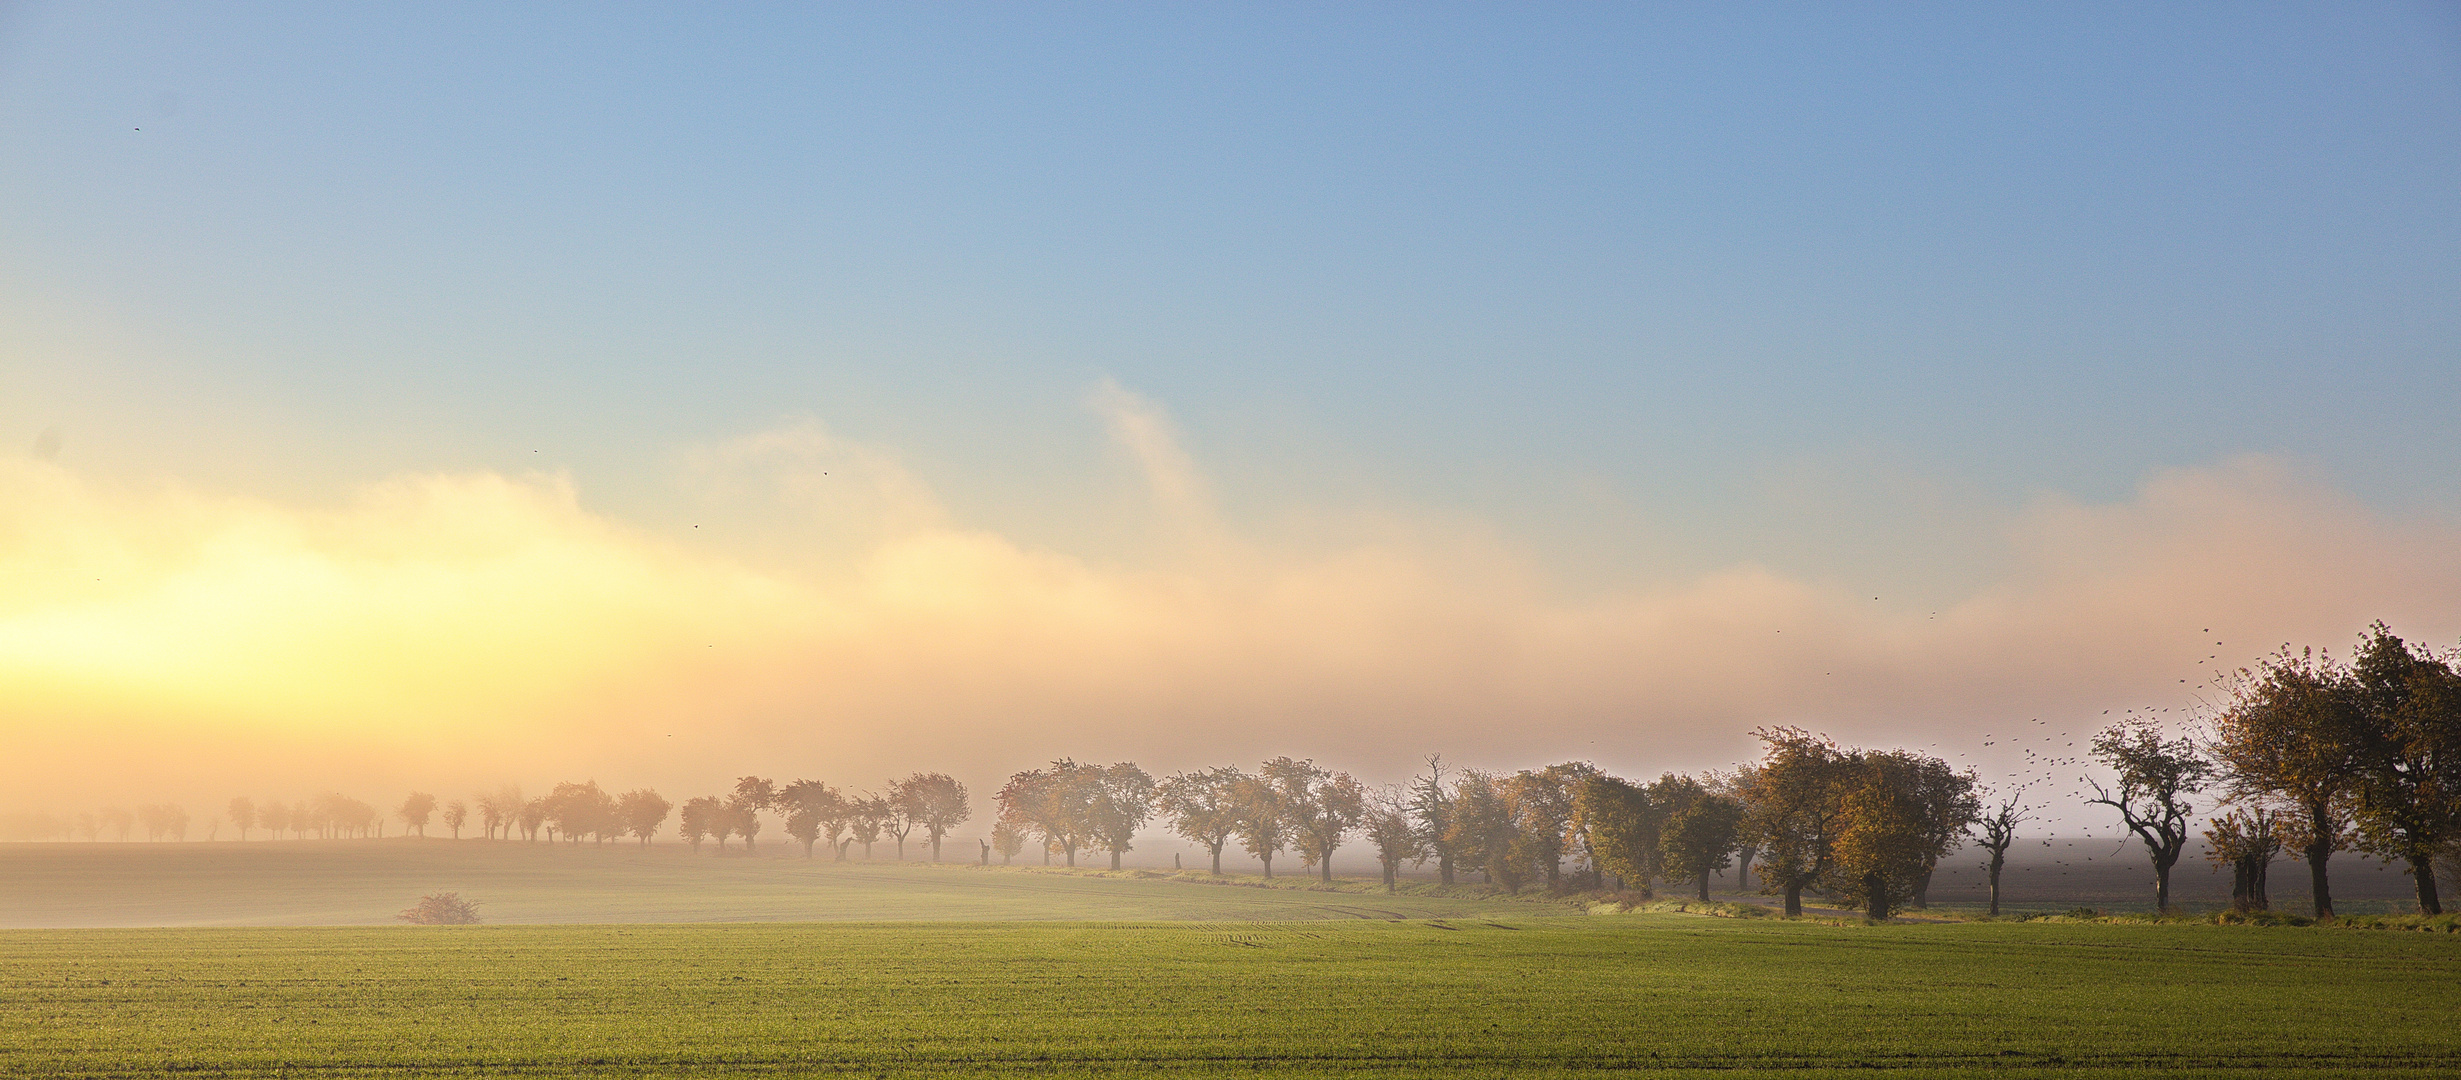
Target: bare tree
point(2157, 781)
point(416, 809)
point(1203, 807)
point(456, 813)
point(1999, 831)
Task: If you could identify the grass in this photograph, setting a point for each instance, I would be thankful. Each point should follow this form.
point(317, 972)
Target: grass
point(1665, 993)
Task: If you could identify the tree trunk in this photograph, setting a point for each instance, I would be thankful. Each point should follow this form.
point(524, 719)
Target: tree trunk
point(1217, 860)
point(1996, 860)
point(1268, 857)
point(935, 849)
point(1444, 869)
point(1794, 899)
point(1324, 862)
point(1704, 888)
point(2422, 871)
point(807, 846)
point(1072, 855)
point(1877, 887)
point(1392, 871)
point(2317, 853)
point(2161, 887)
point(1743, 870)
point(1922, 888)
point(1114, 858)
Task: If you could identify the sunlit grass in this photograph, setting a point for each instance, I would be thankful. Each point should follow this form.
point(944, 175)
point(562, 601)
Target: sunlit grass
point(1494, 997)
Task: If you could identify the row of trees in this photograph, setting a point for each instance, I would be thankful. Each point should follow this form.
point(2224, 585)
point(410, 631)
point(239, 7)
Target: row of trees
point(815, 812)
point(2310, 754)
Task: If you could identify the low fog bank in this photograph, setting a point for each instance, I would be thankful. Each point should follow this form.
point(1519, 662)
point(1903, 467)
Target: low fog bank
point(368, 882)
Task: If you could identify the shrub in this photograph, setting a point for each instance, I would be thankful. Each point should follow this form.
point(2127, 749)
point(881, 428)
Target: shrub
point(441, 909)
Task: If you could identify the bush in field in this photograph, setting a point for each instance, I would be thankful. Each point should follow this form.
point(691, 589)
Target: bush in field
point(441, 909)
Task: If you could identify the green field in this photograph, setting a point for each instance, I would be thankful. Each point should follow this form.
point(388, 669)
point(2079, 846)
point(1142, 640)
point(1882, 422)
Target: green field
point(1667, 994)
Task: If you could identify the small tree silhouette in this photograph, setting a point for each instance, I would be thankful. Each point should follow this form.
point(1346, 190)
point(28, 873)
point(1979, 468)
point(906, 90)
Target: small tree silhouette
point(441, 909)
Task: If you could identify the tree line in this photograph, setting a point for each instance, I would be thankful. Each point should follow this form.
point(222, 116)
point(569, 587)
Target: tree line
point(2305, 753)
point(2309, 754)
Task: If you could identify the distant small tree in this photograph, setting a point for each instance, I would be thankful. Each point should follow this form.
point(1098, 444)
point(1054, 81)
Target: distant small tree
point(2292, 731)
point(2408, 776)
point(275, 816)
point(1008, 839)
point(500, 811)
point(641, 811)
point(812, 809)
point(1699, 840)
point(1118, 801)
point(1884, 840)
point(441, 909)
point(1052, 804)
point(1202, 807)
point(2245, 840)
point(936, 801)
point(532, 818)
point(1324, 807)
point(2158, 778)
point(1264, 819)
point(1541, 806)
point(1950, 807)
point(1999, 832)
point(1617, 816)
point(1486, 830)
point(416, 809)
point(871, 815)
point(1797, 809)
point(752, 795)
point(456, 813)
point(699, 816)
point(243, 814)
point(1391, 827)
point(119, 821)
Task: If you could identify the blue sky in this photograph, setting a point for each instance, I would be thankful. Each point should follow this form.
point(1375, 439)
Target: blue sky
point(1641, 292)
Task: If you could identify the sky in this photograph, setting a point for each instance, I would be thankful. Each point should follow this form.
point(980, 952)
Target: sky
point(451, 395)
